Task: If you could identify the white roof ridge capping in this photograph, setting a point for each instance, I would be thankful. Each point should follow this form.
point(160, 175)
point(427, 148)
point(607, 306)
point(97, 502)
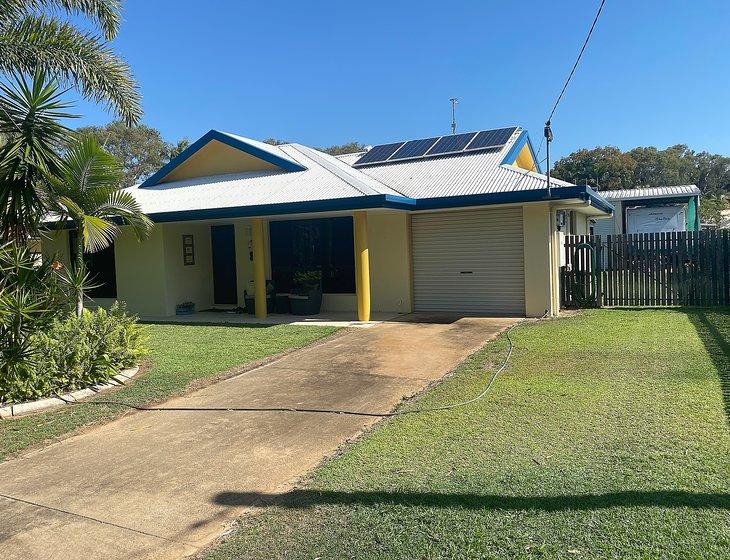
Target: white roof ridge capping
point(363, 183)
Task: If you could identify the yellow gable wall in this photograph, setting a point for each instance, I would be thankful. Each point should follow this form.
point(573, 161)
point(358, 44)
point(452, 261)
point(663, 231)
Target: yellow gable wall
point(217, 158)
point(525, 160)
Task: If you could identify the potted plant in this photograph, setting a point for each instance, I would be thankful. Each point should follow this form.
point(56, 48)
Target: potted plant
point(250, 299)
point(306, 295)
point(281, 303)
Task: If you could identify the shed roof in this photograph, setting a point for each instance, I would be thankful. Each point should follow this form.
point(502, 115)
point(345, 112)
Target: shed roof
point(651, 192)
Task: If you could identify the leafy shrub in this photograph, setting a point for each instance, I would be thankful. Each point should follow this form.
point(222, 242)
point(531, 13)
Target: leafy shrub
point(305, 280)
point(77, 352)
point(31, 298)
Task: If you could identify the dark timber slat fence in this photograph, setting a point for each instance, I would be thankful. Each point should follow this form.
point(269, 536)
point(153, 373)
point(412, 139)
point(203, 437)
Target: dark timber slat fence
point(647, 269)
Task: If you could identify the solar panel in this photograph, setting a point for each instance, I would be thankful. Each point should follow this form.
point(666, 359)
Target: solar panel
point(414, 148)
point(437, 146)
point(491, 138)
point(450, 144)
point(378, 154)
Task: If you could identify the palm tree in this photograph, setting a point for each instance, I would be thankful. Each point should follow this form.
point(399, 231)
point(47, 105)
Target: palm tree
point(30, 132)
point(33, 37)
point(87, 193)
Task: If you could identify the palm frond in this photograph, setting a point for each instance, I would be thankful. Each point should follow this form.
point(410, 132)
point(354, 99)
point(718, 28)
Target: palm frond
point(105, 13)
point(29, 122)
point(29, 114)
point(124, 206)
point(98, 233)
point(82, 60)
point(88, 193)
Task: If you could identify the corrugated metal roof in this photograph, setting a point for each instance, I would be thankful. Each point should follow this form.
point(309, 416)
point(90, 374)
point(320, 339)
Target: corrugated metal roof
point(651, 192)
point(462, 174)
point(325, 178)
point(349, 159)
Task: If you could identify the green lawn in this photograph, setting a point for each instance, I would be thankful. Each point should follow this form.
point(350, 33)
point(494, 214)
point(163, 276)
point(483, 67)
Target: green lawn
point(179, 355)
point(607, 437)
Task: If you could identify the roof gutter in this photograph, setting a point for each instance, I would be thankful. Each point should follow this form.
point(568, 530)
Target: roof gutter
point(583, 193)
point(314, 206)
point(388, 201)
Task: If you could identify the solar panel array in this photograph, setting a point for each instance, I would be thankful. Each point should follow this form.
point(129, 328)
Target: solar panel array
point(437, 146)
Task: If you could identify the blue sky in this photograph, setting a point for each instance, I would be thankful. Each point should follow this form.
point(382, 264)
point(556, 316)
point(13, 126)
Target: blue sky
point(321, 73)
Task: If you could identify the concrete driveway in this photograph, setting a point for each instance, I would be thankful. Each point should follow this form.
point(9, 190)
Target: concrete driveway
point(144, 486)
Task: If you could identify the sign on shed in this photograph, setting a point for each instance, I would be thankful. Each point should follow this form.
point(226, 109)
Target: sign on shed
point(656, 219)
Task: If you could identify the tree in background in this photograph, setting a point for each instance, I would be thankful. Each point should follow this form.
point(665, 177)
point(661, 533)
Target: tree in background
point(33, 37)
point(140, 148)
point(340, 149)
point(180, 147)
point(606, 168)
point(88, 193)
point(601, 168)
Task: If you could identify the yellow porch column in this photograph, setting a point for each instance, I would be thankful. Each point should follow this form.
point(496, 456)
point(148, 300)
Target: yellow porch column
point(362, 265)
point(259, 271)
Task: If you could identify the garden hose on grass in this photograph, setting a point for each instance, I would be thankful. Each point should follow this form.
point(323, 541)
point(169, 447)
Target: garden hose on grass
point(579, 289)
point(452, 406)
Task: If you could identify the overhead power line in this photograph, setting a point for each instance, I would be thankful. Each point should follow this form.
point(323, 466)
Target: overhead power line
point(577, 60)
point(548, 128)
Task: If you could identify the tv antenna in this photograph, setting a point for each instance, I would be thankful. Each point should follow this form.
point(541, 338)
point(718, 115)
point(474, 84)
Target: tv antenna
point(454, 103)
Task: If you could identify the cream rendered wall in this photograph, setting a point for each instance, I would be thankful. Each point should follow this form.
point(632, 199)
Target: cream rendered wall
point(389, 243)
point(139, 269)
point(192, 282)
point(55, 245)
point(582, 225)
point(339, 302)
point(539, 254)
point(140, 266)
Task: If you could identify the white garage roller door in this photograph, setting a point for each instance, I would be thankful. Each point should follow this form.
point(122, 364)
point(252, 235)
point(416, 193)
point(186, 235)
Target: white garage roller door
point(469, 261)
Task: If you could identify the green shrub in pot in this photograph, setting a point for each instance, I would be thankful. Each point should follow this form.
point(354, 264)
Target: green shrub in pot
point(306, 295)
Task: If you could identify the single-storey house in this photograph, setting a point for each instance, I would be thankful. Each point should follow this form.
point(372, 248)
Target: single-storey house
point(461, 223)
point(651, 210)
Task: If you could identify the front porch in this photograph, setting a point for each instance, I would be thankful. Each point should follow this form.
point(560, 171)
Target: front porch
point(342, 319)
point(362, 258)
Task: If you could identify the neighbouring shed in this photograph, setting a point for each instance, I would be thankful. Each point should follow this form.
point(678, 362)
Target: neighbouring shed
point(651, 210)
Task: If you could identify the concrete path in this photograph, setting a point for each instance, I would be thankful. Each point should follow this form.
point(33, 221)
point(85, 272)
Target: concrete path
point(149, 485)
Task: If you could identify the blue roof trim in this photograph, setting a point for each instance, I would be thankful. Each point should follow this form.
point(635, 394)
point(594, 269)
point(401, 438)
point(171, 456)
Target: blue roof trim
point(331, 205)
point(285, 164)
point(534, 195)
point(386, 201)
point(511, 156)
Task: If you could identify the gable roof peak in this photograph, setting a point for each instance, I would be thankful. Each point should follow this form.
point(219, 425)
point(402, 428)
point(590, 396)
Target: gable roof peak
point(267, 153)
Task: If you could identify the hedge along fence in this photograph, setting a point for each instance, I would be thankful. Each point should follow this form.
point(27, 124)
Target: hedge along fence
point(647, 269)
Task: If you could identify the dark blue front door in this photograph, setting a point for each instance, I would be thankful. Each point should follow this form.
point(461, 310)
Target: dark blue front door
point(224, 264)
